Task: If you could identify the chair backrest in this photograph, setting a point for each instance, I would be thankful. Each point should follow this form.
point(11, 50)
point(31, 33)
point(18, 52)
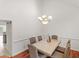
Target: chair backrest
point(39, 38)
point(32, 51)
point(54, 37)
point(32, 40)
point(67, 50)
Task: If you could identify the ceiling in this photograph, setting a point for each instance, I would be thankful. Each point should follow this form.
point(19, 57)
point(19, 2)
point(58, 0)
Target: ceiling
point(74, 3)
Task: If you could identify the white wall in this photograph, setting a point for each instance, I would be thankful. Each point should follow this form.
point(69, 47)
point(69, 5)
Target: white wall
point(25, 24)
point(65, 21)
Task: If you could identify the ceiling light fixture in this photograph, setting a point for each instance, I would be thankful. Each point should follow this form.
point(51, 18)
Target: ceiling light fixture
point(45, 19)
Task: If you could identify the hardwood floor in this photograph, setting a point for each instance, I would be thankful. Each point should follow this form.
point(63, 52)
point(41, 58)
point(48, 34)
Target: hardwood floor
point(25, 54)
point(4, 57)
point(74, 54)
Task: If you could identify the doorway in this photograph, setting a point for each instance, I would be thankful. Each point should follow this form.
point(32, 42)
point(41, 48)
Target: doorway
point(2, 30)
point(5, 38)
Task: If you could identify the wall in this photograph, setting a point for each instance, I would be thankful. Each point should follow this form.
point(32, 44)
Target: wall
point(25, 24)
point(65, 21)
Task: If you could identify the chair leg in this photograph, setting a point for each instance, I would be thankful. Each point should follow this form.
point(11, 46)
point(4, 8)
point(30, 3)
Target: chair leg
point(60, 49)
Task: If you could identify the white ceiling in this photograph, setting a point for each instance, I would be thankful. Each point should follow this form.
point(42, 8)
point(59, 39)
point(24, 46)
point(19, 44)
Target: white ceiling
point(75, 3)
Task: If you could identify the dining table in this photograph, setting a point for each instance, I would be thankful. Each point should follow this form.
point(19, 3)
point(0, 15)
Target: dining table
point(46, 47)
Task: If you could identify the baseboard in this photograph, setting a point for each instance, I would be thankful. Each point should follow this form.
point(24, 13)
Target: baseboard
point(18, 54)
point(7, 53)
point(14, 54)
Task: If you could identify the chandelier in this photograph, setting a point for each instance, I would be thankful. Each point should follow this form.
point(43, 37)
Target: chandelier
point(45, 19)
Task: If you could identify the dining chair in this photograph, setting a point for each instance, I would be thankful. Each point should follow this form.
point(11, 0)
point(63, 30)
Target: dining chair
point(32, 40)
point(66, 53)
point(54, 37)
point(34, 52)
point(60, 49)
point(67, 50)
point(39, 38)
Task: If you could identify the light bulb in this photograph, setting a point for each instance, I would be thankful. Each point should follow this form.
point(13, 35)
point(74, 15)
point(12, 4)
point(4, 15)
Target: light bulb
point(40, 18)
point(44, 22)
point(44, 16)
point(49, 17)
